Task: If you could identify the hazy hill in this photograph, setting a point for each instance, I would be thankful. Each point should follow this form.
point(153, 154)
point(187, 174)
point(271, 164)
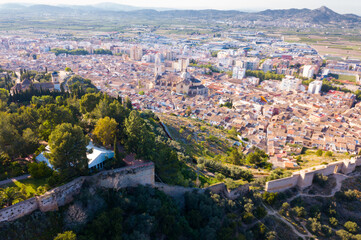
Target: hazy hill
point(321, 15)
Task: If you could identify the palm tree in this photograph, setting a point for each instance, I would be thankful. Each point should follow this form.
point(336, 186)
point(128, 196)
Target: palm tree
point(9, 195)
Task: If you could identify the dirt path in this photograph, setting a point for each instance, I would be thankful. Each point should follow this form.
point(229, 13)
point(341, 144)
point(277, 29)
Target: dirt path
point(271, 211)
point(339, 179)
point(7, 181)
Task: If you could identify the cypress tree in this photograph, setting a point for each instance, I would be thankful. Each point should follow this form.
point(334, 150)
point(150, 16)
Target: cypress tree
point(117, 156)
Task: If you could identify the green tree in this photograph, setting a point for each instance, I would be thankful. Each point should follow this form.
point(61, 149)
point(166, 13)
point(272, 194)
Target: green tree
point(233, 132)
point(258, 157)
point(235, 157)
point(140, 139)
point(351, 226)
point(327, 230)
point(43, 100)
point(128, 104)
point(320, 179)
point(102, 109)
point(188, 112)
point(4, 94)
point(328, 154)
point(39, 170)
point(104, 227)
point(344, 235)
point(68, 149)
point(52, 115)
point(10, 140)
point(271, 235)
point(30, 140)
point(68, 235)
point(10, 195)
point(314, 224)
point(333, 221)
point(105, 130)
point(68, 69)
point(117, 156)
point(285, 209)
point(214, 53)
point(269, 197)
point(103, 51)
point(88, 102)
point(299, 211)
point(319, 152)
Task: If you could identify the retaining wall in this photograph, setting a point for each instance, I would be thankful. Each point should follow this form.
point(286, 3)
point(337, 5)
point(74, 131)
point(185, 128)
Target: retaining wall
point(304, 178)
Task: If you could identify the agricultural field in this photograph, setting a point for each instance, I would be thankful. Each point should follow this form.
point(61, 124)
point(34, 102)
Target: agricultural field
point(342, 47)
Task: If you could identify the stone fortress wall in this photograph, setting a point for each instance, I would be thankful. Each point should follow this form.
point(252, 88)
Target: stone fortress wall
point(144, 175)
point(115, 179)
point(304, 178)
point(60, 196)
point(219, 188)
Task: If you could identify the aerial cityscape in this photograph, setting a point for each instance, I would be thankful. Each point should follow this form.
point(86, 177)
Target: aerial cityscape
point(183, 121)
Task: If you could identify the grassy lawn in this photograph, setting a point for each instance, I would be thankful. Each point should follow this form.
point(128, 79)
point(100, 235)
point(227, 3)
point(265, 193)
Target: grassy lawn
point(347, 78)
point(29, 187)
point(350, 78)
point(29, 182)
point(310, 159)
point(34, 183)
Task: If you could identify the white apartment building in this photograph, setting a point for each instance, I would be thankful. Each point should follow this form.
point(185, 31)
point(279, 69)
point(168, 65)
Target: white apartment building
point(181, 65)
point(239, 73)
point(136, 53)
point(308, 71)
point(267, 66)
point(248, 63)
point(315, 87)
point(290, 83)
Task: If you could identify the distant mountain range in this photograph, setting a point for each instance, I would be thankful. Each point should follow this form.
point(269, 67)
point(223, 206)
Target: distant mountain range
point(321, 15)
point(105, 6)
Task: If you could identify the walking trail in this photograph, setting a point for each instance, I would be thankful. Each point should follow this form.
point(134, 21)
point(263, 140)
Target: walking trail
point(339, 179)
point(7, 181)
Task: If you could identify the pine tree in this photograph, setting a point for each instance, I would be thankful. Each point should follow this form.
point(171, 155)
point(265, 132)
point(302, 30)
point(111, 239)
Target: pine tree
point(116, 151)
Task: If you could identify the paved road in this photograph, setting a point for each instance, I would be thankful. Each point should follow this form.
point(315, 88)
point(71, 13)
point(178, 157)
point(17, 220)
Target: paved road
point(7, 181)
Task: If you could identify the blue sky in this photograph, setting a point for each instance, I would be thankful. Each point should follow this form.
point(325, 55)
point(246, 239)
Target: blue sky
point(344, 6)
